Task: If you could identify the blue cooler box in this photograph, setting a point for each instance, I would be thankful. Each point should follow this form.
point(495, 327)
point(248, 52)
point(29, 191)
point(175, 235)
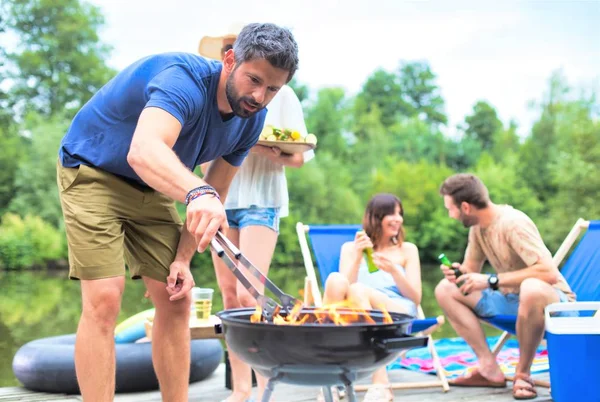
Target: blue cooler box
point(574, 352)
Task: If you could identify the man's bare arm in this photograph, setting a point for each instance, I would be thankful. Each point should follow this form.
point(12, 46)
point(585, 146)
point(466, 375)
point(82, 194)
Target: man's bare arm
point(151, 155)
point(204, 168)
point(220, 178)
point(219, 174)
point(544, 270)
point(471, 266)
point(186, 247)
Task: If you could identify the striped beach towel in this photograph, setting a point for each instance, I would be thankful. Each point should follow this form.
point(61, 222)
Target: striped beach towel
point(458, 358)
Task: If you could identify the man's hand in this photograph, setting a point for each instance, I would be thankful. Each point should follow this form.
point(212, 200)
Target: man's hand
point(205, 215)
point(450, 272)
point(473, 281)
point(180, 280)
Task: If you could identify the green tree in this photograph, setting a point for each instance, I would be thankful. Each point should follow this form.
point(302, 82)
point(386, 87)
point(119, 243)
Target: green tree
point(321, 192)
point(10, 143)
point(6, 118)
point(368, 151)
point(409, 92)
point(29, 242)
point(464, 153)
point(35, 180)
point(13, 149)
point(506, 186)
point(414, 140)
point(574, 171)
point(421, 92)
point(59, 59)
point(383, 92)
point(300, 89)
point(506, 143)
point(483, 124)
point(326, 117)
point(539, 149)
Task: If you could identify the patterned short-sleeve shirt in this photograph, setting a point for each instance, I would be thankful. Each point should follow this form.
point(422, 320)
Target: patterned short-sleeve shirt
point(511, 242)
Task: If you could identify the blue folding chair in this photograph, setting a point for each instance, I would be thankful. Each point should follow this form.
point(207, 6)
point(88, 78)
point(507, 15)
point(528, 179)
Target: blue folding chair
point(582, 272)
point(326, 242)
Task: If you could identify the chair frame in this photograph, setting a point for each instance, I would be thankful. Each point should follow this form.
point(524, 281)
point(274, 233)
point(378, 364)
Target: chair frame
point(312, 296)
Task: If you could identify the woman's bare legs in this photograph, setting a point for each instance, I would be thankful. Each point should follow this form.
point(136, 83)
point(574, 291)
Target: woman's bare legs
point(257, 243)
point(338, 289)
point(240, 371)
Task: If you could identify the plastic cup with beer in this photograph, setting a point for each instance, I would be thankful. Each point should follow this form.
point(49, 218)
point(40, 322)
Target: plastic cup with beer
point(202, 299)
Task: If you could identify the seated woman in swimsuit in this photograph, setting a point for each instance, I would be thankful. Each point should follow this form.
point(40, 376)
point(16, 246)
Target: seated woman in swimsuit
point(395, 286)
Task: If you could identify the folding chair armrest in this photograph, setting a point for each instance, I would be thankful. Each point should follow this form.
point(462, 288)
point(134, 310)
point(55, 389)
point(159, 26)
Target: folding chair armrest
point(440, 321)
point(301, 231)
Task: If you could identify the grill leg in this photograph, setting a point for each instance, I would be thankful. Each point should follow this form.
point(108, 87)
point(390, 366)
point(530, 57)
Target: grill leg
point(327, 395)
point(350, 392)
point(269, 390)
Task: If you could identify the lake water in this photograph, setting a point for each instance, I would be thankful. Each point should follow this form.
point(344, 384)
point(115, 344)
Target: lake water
point(39, 304)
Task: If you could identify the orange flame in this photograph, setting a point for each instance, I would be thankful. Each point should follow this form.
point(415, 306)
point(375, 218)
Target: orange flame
point(342, 313)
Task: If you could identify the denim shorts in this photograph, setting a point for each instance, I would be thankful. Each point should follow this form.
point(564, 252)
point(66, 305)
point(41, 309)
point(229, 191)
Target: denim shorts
point(253, 216)
point(493, 303)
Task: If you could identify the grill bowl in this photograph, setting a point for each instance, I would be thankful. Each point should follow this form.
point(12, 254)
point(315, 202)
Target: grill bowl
point(318, 353)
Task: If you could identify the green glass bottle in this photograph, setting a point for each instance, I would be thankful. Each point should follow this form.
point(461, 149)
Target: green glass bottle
point(368, 252)
point(446, 261)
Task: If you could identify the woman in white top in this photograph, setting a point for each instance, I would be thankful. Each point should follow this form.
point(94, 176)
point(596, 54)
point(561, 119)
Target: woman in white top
point(395, 286)
point(256, 200)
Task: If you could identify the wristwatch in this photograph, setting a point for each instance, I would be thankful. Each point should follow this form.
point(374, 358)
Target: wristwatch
point(493, 281)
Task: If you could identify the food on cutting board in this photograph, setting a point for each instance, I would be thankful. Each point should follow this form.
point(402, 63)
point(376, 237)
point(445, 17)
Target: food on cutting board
point(270, 133)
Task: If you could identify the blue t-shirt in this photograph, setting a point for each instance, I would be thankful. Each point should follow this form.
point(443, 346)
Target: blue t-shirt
point(185, 85)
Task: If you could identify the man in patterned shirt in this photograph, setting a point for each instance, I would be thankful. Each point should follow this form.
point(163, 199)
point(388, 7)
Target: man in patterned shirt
point(525, 282)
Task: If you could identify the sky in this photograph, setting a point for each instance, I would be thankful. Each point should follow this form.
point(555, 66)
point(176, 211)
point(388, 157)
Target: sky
point(480, 49)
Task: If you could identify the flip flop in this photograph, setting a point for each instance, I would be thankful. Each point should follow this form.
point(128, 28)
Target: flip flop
point(475, 379)
point(529, 387)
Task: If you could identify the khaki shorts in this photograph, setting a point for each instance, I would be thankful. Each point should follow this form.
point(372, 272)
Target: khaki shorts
point(111, 222)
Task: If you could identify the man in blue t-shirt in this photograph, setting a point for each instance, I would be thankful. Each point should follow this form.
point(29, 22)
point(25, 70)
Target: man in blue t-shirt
point(128, 154)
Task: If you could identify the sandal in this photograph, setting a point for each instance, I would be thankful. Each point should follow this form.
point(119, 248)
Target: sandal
point(475, 379)
point(527, 385)
point(379, 393)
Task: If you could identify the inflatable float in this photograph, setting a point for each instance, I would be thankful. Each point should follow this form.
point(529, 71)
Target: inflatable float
point(47, 364)
point(133, 329)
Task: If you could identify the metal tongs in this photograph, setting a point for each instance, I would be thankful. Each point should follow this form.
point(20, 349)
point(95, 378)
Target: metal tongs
point(269, 307)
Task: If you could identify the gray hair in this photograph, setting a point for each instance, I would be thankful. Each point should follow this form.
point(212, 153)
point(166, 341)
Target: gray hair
point(270, 42)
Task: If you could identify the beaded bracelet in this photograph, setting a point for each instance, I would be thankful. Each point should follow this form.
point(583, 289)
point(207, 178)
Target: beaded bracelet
point(200, 191)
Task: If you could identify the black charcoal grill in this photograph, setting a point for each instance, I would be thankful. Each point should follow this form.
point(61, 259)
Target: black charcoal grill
point(317, 352)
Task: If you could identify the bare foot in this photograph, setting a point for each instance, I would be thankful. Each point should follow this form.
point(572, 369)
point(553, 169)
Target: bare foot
point(491, 371)
point(475, 378)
